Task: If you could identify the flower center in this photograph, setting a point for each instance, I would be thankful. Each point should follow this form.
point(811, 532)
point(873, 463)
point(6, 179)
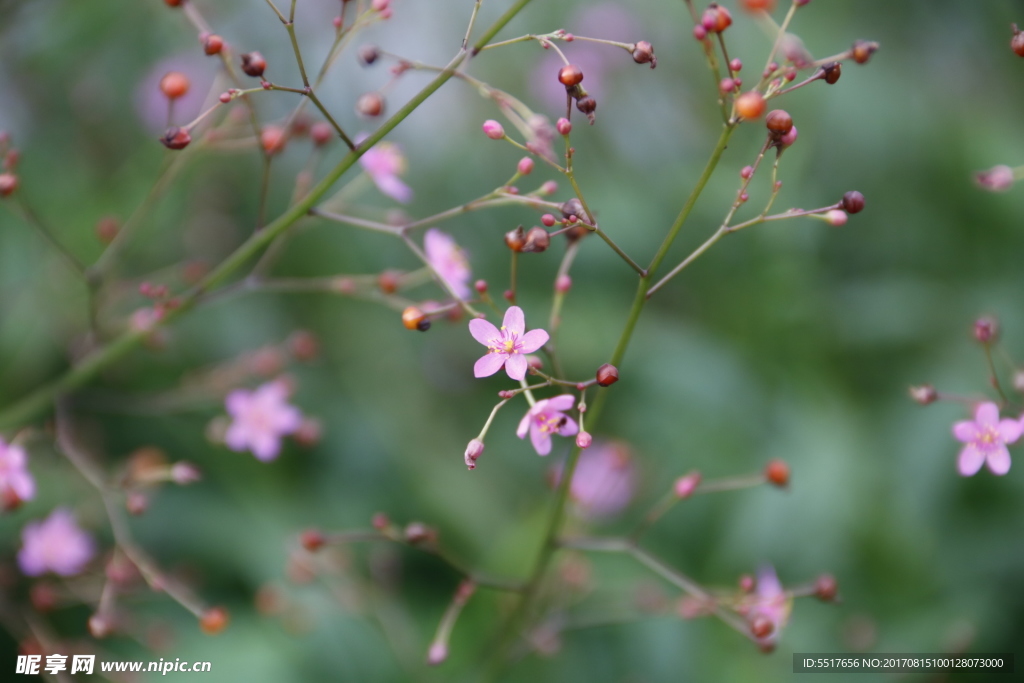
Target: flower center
point(989, 437)
point(550, 423)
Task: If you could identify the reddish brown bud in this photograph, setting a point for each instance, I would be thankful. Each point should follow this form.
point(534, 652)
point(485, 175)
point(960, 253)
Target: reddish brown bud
point(312, 540)
point(367, 54)
point(537, 241)
point(750, 105)
point(515, 239)
point(587, 105)
point(758, 5)
point(570, 75)
point(1017, 44)
point(761, 626)
point(417, 532)
point(214, 620)
point(832, 71)
point(370, 104)
point(480, 286)
point(607, 375)
point(273, 139)
point(716, 18)
point(174, 84)
point(924, 394)
point(321, 133)
point(779, 122)
point(826, 588)
point(253, 64)
point(986, 329)
point(573, 207)
point(643, 53)
point(8, 184)
point(213, 44)
point(176, 138)
point(777, 472)
point(853, 202)
point(414, 319)
point(862, 51)
point(304, 345)
point(388, 281)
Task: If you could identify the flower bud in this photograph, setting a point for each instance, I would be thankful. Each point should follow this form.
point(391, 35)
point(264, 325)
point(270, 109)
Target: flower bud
point(836, 217)
point(537, 241)
point(685, 486)
point(370, 104)
point(924, 394)
point(584, 439)
point(493, 129)
point(832, 71)
point(100, 626)
point(758, 5)
point(826, 588)
point(174, 138)
point(312, 540)
point(548, 187)
point(716, 18)
point(184, 473)
point(388, 281)
point(563, 126)
point(214, 620)
point(789, 138)
point(213, 44)
point(473, 451)
point(414, 319)
point(997, 179)
point(699, 32)
point(534, 362)
point(778, 122)
point(480, 286)
point(253, 64)
point(777, 472)
point(761, 626)
point(563, 283)
point(607, 375)
point(380, 521)
point(747, 583)
point(174, 84)
point(136, 503)
point(525, 166)
point(862, 50)
point(986, 329)
point(726, 86)
point(437, 653)
point(273, 139)
point(8, 184)
point(515, 239)
point(321, 133)
point(643, 53)
point(570, 75)
point(587, 105)
point(367, 54)
point(573, 207)
point(853, 202)
point(417, 532)
point(750, 105)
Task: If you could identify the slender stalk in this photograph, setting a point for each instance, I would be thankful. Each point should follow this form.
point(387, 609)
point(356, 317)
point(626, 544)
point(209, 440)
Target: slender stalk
point(34, 221)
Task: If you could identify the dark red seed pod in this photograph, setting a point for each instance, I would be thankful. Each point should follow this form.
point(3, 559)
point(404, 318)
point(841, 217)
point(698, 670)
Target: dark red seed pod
point(176, 138)
point(779, 122)
point(312, 540)
point(853, 202)
point(253, 64)
point(862, 51)
point(761, 626)
point(515, 239)
point(8, 184)
point(832, 72)
point(643, 53)
point(537, 240)
point(587, 105)
point(607, 375)
point(367, 54)
point(570, 75)
point(573, 207)
point(370, 104)
point(826, 588)
point(213, 44)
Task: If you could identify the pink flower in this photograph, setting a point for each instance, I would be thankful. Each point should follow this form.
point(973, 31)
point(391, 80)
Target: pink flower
point(448, 260)
point(55, 544)
point(507, 346)
point(16, 483)
point(548, 417)
point(986, 438)
point(604, 480)
point(996, 179)
point(769, 602)
point(384, 163)
point(260, 419)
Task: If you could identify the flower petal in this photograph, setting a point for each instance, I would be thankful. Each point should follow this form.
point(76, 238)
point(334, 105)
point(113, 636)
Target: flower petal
point(483, 331)
point(966, 431)
point(987, 414)
point(515, 321)
point(970, 460)
point(436, 244)
point(516, 366)
point(999, 461)
point(266, 446)
point(561, 403)
point(237, 401)
point(569, 427)
point(533, 340)
point(393, 187)
point(1009, 430)
point(237, 437)
point(489, 364)
point(541, 440)
point(524, 425)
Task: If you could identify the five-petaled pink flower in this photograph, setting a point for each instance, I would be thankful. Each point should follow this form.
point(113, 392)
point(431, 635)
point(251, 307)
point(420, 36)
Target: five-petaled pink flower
point(384, 163)
point(448, 260)
point(16, 483)
point(55, 544)
point(507, 346)
point(545, 418)
point(985, 438)
point(260, 418)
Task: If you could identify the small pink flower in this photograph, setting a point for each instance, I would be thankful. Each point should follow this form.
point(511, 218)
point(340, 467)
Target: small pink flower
point(506, 347)
point(260, 418)
point(986, 438)
point(384, 163)
point(548, 417)
point(493, 129)
point(604, 481)
point(996, 179)
point(449, 261)
point(16, 483)
point(770, 602)
point(56, 545)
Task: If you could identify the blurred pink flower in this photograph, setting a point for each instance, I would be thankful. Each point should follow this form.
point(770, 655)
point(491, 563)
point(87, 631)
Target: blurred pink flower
point(384, 163)
point(770, 602)
point(986, 437)
point(16, 483)
point(448, 260)
point(545, 418)
point(260, 418)
point(56, 545)
point(506, 347)
point(604, 481)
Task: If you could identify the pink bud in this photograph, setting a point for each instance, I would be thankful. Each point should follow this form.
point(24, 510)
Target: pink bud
point(535, 362)
point(548, 220)
point(336, 21)
point(563, 283)
point(493, 129)
point(525, 166)
point(183, 472)
point(686, 485)
point(747, 172)
point(380, 5)
point(473, 451)
point(438, 653)
point(836, 217)
point(789, 138)
point(480, 286)
point(726, 85)
point(699, 32)
point(584, 439)
point(736, 64)
point(564, 126)
point(549, 187)
point(998, 179)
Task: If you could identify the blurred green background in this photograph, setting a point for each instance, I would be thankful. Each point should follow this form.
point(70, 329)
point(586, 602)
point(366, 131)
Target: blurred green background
point(792, 340)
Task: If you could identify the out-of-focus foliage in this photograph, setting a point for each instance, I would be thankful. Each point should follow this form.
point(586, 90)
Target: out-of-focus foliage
point(791, 340)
